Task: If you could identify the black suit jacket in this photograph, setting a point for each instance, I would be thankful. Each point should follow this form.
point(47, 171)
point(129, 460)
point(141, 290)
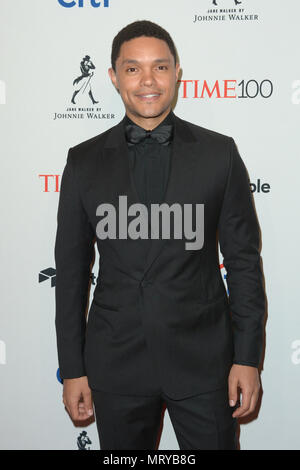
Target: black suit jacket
point(160, 317)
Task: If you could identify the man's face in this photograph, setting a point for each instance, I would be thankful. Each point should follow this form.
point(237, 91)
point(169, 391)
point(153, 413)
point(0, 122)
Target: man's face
point(145, 66)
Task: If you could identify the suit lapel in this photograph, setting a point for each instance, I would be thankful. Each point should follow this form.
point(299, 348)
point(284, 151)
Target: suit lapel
point(116, 157)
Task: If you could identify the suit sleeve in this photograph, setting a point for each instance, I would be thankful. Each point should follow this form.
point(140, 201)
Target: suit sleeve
point(73, 256)
point(239, 243)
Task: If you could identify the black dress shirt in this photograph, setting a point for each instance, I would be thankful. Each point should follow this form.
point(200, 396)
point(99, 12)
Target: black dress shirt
point(150, 163)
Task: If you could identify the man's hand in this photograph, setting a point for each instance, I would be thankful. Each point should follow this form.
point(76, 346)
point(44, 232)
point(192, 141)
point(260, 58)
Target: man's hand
point(247, 378)
point(77, 398)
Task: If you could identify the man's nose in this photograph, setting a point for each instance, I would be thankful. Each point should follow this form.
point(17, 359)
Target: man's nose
point(147, 78)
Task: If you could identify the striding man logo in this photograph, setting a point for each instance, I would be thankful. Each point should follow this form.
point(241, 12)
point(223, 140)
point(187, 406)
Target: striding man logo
point(82, 441)
point(235, 1)
point(82, 84)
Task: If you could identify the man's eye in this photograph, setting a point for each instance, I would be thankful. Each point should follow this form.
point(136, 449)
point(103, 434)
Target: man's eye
point(134, 68)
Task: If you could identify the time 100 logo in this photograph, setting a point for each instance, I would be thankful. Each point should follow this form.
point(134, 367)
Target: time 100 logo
point(82, 3)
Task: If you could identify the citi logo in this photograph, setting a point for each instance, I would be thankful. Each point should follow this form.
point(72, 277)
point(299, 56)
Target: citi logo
point(2, 353)
point(82, 3)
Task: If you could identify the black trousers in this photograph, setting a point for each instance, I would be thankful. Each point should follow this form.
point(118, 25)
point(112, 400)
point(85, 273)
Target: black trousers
point(201, 422)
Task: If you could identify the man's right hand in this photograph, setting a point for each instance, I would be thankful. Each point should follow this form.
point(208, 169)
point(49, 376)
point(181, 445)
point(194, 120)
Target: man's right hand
point(77, 398)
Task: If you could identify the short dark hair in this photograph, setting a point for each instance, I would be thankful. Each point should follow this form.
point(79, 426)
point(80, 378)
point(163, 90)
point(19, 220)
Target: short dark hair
point(137, 29)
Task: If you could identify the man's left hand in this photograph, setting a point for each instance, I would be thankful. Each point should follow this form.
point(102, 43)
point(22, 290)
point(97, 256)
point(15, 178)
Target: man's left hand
point(247, 379)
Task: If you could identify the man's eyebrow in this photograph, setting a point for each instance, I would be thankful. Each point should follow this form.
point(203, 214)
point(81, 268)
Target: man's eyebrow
point(134, 61)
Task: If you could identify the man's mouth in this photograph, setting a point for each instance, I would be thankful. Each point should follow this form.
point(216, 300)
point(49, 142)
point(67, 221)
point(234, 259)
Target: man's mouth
point(149, 96)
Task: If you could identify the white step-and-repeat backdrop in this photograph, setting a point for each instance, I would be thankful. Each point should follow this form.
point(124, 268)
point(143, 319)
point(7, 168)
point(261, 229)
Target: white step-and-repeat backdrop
point(241, 77)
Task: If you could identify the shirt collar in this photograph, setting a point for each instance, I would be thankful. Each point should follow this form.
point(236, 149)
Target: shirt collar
point(169, 119)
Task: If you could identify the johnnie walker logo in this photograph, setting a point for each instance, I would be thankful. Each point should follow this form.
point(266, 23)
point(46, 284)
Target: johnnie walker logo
point(82, 84)
point(235, 1)
point(226, 10)
point(83, 440)
point(83, 95)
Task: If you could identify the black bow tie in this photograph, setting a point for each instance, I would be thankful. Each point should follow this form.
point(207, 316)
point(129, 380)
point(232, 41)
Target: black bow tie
point(135, 134)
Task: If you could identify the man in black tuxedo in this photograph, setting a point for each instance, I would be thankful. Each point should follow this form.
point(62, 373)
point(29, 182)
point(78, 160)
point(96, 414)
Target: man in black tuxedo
point(161, 329)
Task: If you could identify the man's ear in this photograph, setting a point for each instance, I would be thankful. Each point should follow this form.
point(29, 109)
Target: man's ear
point(177, 70)
point(113, 78)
